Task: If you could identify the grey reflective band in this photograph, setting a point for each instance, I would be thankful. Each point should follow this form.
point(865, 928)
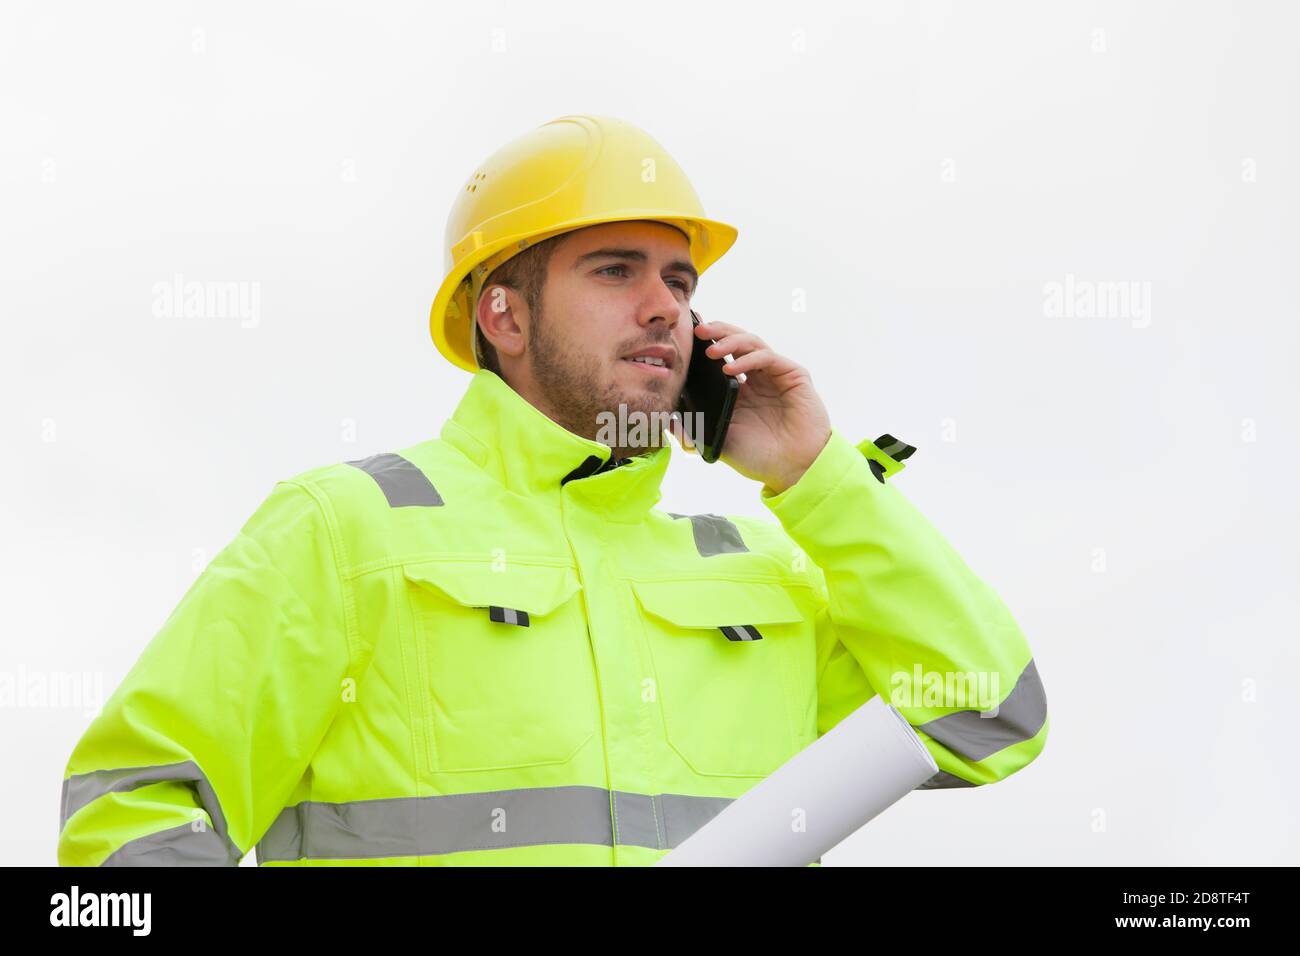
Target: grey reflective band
point(81, 789)
point(662, 821)
point(714, 534)
point(402, 483)
point(1019, 717)
point(210, 843)
point(741, 632)
point(943, 780)
point(895, 449)
point(506, 615)
point(492, 820)
point(179, 846)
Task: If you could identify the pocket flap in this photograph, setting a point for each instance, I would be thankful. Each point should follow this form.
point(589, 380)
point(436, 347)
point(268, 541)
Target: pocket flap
point(712, 602)
point(537, 589)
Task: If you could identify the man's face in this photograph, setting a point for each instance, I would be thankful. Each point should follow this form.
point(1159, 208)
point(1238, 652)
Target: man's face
point(612, 291)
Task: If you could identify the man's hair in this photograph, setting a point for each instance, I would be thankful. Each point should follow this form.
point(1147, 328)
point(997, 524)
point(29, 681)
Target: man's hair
point(525, 273)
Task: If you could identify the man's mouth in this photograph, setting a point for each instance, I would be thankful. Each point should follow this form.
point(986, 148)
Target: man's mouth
point(653, 360)
point(651, 366)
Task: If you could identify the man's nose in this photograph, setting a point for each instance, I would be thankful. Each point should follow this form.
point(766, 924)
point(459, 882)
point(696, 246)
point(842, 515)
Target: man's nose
point(663, 306)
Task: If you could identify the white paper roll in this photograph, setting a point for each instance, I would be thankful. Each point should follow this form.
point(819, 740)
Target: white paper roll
point(868, 761)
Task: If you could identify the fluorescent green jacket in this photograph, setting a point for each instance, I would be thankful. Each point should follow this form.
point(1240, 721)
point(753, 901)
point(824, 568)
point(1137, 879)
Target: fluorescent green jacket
point(489, 649)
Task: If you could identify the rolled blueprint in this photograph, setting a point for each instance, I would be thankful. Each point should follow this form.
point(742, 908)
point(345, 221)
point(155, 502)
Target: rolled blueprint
point(868, 761)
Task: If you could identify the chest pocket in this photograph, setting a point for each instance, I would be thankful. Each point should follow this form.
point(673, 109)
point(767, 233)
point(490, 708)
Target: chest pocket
point(729, 658)
point(504, 664)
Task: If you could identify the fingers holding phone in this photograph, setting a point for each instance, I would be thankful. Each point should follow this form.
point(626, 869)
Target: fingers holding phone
point(708, 396)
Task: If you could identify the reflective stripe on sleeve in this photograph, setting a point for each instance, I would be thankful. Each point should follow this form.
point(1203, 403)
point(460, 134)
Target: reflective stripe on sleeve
point(178, 846)
point(211, 846)
point(943, 780)
point(1019, 718)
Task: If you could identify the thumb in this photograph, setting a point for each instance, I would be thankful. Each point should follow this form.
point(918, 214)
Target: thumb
point(678, 432)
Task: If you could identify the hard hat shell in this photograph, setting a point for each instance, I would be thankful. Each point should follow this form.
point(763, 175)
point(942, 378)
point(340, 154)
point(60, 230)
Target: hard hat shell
point(575, 171)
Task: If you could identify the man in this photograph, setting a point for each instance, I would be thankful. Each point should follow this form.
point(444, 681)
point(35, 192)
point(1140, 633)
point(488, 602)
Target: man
point(491, 647)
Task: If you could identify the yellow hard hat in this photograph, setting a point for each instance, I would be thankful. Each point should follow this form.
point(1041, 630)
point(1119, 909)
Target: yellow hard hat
point(572, 172)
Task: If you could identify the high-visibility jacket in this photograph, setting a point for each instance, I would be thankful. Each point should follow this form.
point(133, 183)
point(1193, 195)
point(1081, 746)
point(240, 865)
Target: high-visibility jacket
point(492, 648)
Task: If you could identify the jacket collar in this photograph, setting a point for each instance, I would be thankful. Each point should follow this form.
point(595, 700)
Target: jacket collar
point(530, 454)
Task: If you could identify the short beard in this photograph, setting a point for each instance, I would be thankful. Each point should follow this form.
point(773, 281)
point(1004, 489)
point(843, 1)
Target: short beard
point(575, 394)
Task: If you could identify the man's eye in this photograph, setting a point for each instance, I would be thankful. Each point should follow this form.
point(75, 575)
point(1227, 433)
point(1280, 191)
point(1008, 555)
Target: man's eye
point(681, 283)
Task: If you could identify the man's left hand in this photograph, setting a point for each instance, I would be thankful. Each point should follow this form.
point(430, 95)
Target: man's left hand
point(779, 425)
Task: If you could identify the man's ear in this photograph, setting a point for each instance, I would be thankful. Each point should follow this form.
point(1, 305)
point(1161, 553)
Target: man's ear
point(496, 319)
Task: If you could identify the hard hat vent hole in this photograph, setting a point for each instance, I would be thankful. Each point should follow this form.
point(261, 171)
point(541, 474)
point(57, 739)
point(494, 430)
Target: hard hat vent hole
point(473, 186)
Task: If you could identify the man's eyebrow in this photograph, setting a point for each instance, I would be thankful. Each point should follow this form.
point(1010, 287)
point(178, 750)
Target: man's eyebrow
point(637, 255)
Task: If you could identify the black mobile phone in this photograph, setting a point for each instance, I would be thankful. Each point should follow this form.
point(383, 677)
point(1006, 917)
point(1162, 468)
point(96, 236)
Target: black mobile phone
point(708, 397)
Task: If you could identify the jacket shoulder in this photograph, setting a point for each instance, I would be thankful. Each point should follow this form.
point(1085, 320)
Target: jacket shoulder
point(358, 496)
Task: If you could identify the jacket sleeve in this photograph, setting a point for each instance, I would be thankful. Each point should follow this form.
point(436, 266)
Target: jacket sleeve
point(199, 747)
point(903, 616)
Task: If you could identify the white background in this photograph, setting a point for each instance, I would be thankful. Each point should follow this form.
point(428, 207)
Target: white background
point(917, 172)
